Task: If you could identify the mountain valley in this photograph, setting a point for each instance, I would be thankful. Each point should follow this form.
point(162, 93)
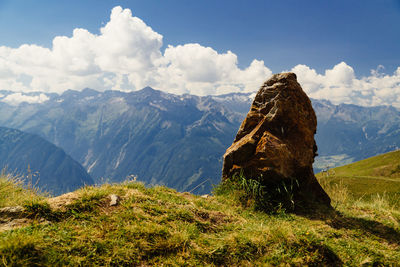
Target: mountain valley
point(179, 140)
point(39, 163)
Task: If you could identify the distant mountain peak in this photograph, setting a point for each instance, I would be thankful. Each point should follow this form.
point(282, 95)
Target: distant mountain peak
point(148, 89)
point(90, 92)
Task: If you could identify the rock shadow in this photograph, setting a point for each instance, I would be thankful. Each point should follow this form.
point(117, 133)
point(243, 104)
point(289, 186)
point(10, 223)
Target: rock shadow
point(338, 220)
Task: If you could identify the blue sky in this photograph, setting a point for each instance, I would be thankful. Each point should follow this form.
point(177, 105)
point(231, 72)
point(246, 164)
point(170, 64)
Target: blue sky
point(363, 34)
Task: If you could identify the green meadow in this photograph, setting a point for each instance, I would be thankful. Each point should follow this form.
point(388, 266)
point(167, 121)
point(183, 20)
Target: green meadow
point(158, 226)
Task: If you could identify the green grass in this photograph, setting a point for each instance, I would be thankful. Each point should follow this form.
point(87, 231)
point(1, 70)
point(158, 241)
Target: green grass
point(385, 165)
point(12, 192)
point(155, 226)
point(366, 178)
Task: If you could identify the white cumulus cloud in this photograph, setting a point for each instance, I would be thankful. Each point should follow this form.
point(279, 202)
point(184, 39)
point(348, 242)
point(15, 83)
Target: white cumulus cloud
point(126, 55)
point(192, 68)
point(340, 85)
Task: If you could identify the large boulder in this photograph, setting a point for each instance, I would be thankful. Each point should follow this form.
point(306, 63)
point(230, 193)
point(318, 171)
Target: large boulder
point(275, 144)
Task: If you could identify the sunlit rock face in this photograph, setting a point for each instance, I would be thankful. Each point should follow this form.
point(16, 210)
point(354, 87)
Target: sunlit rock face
point(275, 142)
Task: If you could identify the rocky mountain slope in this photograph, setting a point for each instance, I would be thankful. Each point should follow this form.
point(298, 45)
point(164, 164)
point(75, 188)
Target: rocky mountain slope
point(179, 141)
point(354, 133)
point(40, 163)
point(160, 138)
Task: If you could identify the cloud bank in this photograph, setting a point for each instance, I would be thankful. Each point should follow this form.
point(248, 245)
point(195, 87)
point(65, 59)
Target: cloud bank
point(127, 56)
point(340, 85)
point(18, 98)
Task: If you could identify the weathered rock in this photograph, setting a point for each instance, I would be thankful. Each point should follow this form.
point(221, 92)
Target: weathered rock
point(12, 212)
point(275, 142)
point(15, 217)
point(61, 202)
point(114, 199)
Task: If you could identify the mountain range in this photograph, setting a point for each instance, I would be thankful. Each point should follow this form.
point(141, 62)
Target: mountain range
point(40, 163)
point(345, 132)
point(179, 140)
point(159, 138)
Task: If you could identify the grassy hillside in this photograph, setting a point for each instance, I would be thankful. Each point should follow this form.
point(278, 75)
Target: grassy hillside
point(12, 193)
point(365, 178)
point(154, 226)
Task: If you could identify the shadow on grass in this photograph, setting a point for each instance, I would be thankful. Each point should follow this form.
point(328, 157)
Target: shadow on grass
point(327, 256)
point(338, 220)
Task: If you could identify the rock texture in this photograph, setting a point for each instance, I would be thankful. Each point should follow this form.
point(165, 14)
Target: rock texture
point(275, 142)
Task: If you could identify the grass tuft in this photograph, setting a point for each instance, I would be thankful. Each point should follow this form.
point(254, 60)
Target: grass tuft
point(14, 193)
point(273, 198)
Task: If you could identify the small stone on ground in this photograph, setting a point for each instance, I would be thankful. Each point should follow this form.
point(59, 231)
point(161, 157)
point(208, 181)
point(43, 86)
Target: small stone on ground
point(114, 200)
